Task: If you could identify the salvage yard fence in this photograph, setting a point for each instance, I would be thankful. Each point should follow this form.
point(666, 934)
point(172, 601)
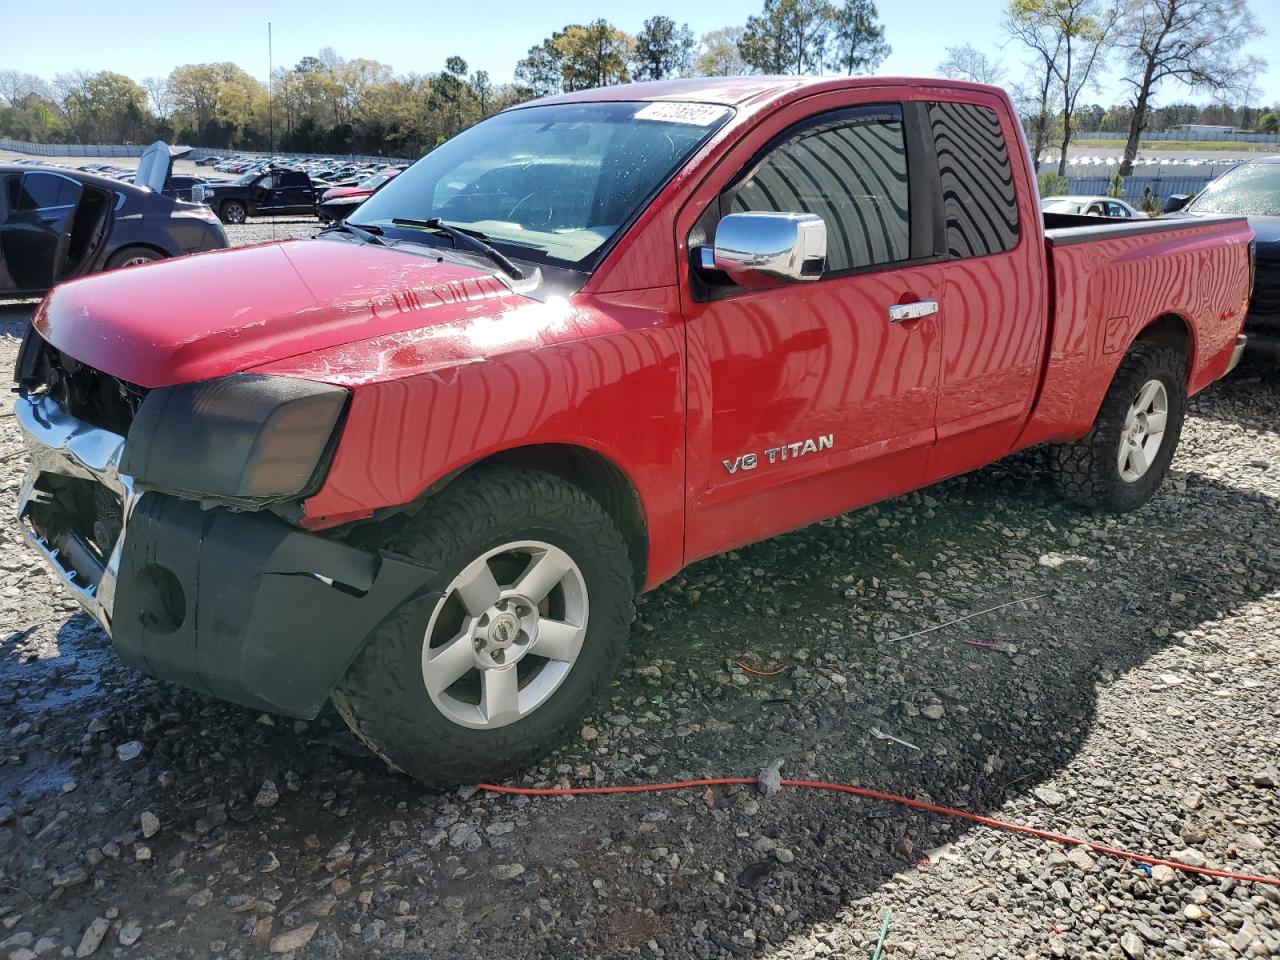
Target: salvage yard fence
point(1206, 135)
point(135, 150)
point(1135, 187)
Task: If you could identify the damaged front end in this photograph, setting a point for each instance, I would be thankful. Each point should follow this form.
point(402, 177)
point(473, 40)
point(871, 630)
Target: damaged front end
point(155, 509)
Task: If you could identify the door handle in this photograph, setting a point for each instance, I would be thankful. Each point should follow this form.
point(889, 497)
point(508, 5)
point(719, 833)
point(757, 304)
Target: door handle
point(900, 312)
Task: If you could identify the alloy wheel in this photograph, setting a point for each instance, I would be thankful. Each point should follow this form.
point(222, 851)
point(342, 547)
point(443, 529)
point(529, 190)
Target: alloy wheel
point(505, 634)
point(1143, 431)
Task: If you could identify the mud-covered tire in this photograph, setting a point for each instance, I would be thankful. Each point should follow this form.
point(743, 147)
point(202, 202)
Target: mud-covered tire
point(383, 696)
point(233, 211)
point(1088, 472)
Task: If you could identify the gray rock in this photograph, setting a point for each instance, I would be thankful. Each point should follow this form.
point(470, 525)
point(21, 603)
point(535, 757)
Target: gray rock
point(150, 824)
point(294, 939)
point(130, 751)
point(1049, 795)
point(769, 780)
point(92, 938)
point(1133, 946)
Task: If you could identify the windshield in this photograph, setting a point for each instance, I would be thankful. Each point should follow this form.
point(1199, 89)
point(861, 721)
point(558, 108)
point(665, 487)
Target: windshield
point(374, 182)
point(247, 178)
point(1249, 189)
point(554, 183)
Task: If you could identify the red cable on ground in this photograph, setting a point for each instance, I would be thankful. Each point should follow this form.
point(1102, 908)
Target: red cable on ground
point(869, 794)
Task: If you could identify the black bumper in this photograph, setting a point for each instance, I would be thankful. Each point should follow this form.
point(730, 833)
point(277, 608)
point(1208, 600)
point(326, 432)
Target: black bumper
point(246, 608)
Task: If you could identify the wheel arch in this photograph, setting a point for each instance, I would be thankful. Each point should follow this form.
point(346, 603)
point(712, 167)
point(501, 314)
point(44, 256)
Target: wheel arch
point(596, 474)
point(1171, 330)
point(136, 244)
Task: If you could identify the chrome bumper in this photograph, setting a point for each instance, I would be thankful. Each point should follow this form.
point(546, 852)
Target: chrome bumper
point(60, 444)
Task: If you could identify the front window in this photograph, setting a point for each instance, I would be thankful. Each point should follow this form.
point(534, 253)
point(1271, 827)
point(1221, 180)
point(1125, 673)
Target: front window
point(1251, 189)
point(551, 184)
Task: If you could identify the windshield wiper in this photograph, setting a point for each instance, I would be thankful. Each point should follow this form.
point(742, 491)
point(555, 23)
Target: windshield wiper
point(465, 238)
point(369, 234)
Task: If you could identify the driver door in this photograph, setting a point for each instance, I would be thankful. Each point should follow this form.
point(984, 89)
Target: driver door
point(263, 193)
point(809, 398)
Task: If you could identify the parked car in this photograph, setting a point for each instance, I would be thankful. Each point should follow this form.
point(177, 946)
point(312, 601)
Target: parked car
point(57, 224)
point(422, 464)
point(268, 193)
point(1091, 207)
point(337, 203)
point(1251, 189)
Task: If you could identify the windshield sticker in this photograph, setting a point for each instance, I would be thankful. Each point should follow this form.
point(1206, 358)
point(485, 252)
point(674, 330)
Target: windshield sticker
point(694, 114)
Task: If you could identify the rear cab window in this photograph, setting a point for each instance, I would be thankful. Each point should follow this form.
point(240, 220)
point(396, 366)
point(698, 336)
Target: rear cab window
point(979, 202)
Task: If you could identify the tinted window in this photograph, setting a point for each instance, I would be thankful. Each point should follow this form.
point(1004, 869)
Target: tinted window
point(41, 190)
point(294, 180)
point(978, 199)
point(853, 174)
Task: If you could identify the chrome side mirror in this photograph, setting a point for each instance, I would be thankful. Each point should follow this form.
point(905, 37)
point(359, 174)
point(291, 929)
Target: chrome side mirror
point(761, 249)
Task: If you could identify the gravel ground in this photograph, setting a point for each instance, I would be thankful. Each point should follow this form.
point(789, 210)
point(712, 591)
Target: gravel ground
point(1133, 703)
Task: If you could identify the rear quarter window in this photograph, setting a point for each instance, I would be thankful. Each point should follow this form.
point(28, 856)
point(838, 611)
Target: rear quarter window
point(978, 198)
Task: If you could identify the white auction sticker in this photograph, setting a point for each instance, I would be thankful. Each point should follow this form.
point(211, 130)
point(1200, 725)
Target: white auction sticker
point(696, 114)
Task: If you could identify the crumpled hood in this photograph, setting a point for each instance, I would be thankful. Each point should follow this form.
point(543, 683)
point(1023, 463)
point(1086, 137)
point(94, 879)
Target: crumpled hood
point(199, 317)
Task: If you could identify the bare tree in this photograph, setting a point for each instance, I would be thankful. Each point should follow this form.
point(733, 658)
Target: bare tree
point(16, 86)
point(1083, 31)
point(159, 96)
point(970, 63)
point(1038, 95)
point(1192, 42)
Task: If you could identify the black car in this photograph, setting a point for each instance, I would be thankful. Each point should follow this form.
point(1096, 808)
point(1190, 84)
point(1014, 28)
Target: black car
point(57, 223)
point(1252, 189)
point(266, 193)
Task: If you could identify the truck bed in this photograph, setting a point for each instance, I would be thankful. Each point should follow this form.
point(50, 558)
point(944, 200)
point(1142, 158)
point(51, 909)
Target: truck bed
point(1112, 277)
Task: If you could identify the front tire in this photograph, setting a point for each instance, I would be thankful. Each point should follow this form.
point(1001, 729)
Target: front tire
point(523, 625)
point(233, 211)
point(1124, 458)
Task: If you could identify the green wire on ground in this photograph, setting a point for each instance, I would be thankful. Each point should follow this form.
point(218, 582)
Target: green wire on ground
point(884, 932)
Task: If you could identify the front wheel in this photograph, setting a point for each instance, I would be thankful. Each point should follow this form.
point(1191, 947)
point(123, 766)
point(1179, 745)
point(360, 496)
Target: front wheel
point(1124, 458)
point(523, 625)
point(233, 211)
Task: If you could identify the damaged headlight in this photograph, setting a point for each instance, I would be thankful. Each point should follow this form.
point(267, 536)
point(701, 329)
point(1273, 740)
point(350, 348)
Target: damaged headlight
point(243, 437)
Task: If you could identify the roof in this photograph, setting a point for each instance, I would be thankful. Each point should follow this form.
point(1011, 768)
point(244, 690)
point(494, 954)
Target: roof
point(737, 91)
point(82, 175)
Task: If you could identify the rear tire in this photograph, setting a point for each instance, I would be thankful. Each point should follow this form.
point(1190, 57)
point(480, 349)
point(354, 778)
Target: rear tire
point(399, 696)
point(132, 257)
point(233, 211)
point(1124, 458)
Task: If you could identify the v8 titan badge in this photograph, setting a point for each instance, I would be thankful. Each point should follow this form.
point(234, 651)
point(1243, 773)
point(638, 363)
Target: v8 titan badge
point(781, 454)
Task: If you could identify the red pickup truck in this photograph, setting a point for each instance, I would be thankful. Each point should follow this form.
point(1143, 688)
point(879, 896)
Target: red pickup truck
point(422, 464)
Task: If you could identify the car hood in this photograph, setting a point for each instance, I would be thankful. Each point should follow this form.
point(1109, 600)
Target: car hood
point(1266, 230)
point(196, 318)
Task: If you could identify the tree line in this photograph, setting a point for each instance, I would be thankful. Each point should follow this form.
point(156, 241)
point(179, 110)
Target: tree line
point(1050, 56)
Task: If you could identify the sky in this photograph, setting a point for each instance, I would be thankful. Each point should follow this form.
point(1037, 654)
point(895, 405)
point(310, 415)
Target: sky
point(418, 36)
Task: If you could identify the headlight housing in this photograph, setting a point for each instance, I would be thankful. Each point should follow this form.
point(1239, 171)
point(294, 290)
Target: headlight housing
point(244, 438)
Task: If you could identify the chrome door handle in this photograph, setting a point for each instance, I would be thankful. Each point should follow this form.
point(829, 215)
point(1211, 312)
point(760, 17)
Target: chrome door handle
point(912, 311)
